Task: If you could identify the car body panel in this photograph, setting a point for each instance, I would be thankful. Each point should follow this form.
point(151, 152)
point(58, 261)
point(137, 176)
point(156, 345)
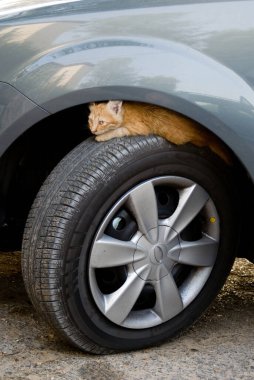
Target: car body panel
point(17, 114)
point(181, 55)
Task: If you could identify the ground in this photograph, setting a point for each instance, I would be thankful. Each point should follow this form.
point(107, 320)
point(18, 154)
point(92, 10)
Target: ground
point(219, 346)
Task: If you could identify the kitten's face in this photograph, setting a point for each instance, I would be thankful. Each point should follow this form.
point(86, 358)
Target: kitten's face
point(105, 116)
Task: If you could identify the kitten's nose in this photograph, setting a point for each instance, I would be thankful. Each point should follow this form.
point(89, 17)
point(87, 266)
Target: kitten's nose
point(92, 127)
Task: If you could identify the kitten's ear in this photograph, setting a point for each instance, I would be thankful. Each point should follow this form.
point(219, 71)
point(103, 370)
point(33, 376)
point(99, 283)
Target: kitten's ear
point(115, 106)
point(91, 105)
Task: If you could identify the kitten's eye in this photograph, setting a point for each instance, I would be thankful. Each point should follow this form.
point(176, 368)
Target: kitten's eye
point(101, 122)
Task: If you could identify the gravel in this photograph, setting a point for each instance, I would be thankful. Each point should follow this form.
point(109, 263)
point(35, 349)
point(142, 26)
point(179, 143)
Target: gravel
point(219, 346)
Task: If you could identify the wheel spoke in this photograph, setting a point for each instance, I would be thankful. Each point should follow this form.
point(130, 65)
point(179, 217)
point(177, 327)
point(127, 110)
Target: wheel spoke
point(109, 252)
point(192, 200)
point(168, 299)
point(200, 253)
point(142, 202)
point(119, 304)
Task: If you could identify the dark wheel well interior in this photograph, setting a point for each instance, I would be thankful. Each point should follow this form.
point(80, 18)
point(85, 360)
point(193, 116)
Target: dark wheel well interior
point(27, 163)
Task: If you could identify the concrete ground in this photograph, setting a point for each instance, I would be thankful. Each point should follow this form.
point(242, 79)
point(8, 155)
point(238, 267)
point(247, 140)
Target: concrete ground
point(219, 346)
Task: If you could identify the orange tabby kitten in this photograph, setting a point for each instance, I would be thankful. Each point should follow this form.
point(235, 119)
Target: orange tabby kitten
point(115, 119)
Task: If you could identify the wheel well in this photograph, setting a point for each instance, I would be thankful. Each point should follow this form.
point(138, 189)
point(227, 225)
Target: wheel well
point(27, 163)
point(30, 159)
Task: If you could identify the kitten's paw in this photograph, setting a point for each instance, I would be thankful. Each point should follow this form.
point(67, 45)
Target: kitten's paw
point(101, 138)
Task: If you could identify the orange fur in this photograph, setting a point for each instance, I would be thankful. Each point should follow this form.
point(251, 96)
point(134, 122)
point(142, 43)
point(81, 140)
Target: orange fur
point(115, 119)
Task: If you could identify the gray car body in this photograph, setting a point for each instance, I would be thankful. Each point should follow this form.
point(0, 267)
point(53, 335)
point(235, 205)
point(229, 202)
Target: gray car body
point(195, 57)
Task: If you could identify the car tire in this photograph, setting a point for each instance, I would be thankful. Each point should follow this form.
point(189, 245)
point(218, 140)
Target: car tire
point(129, 241)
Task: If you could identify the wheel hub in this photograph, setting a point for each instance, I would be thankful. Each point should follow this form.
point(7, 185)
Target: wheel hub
point(159, 272)
point(158, 253)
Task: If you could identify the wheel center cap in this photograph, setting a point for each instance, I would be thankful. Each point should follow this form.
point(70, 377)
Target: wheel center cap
point(156, 263)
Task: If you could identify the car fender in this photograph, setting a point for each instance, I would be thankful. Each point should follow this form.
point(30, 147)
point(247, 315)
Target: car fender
point(162, 72)
point(17, 114)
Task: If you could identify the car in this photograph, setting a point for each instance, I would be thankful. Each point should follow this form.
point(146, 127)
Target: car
point(124, 243)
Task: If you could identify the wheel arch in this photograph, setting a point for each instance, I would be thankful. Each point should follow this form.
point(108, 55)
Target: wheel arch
point(33, 114)
point(142, 68)
point(156, 70)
